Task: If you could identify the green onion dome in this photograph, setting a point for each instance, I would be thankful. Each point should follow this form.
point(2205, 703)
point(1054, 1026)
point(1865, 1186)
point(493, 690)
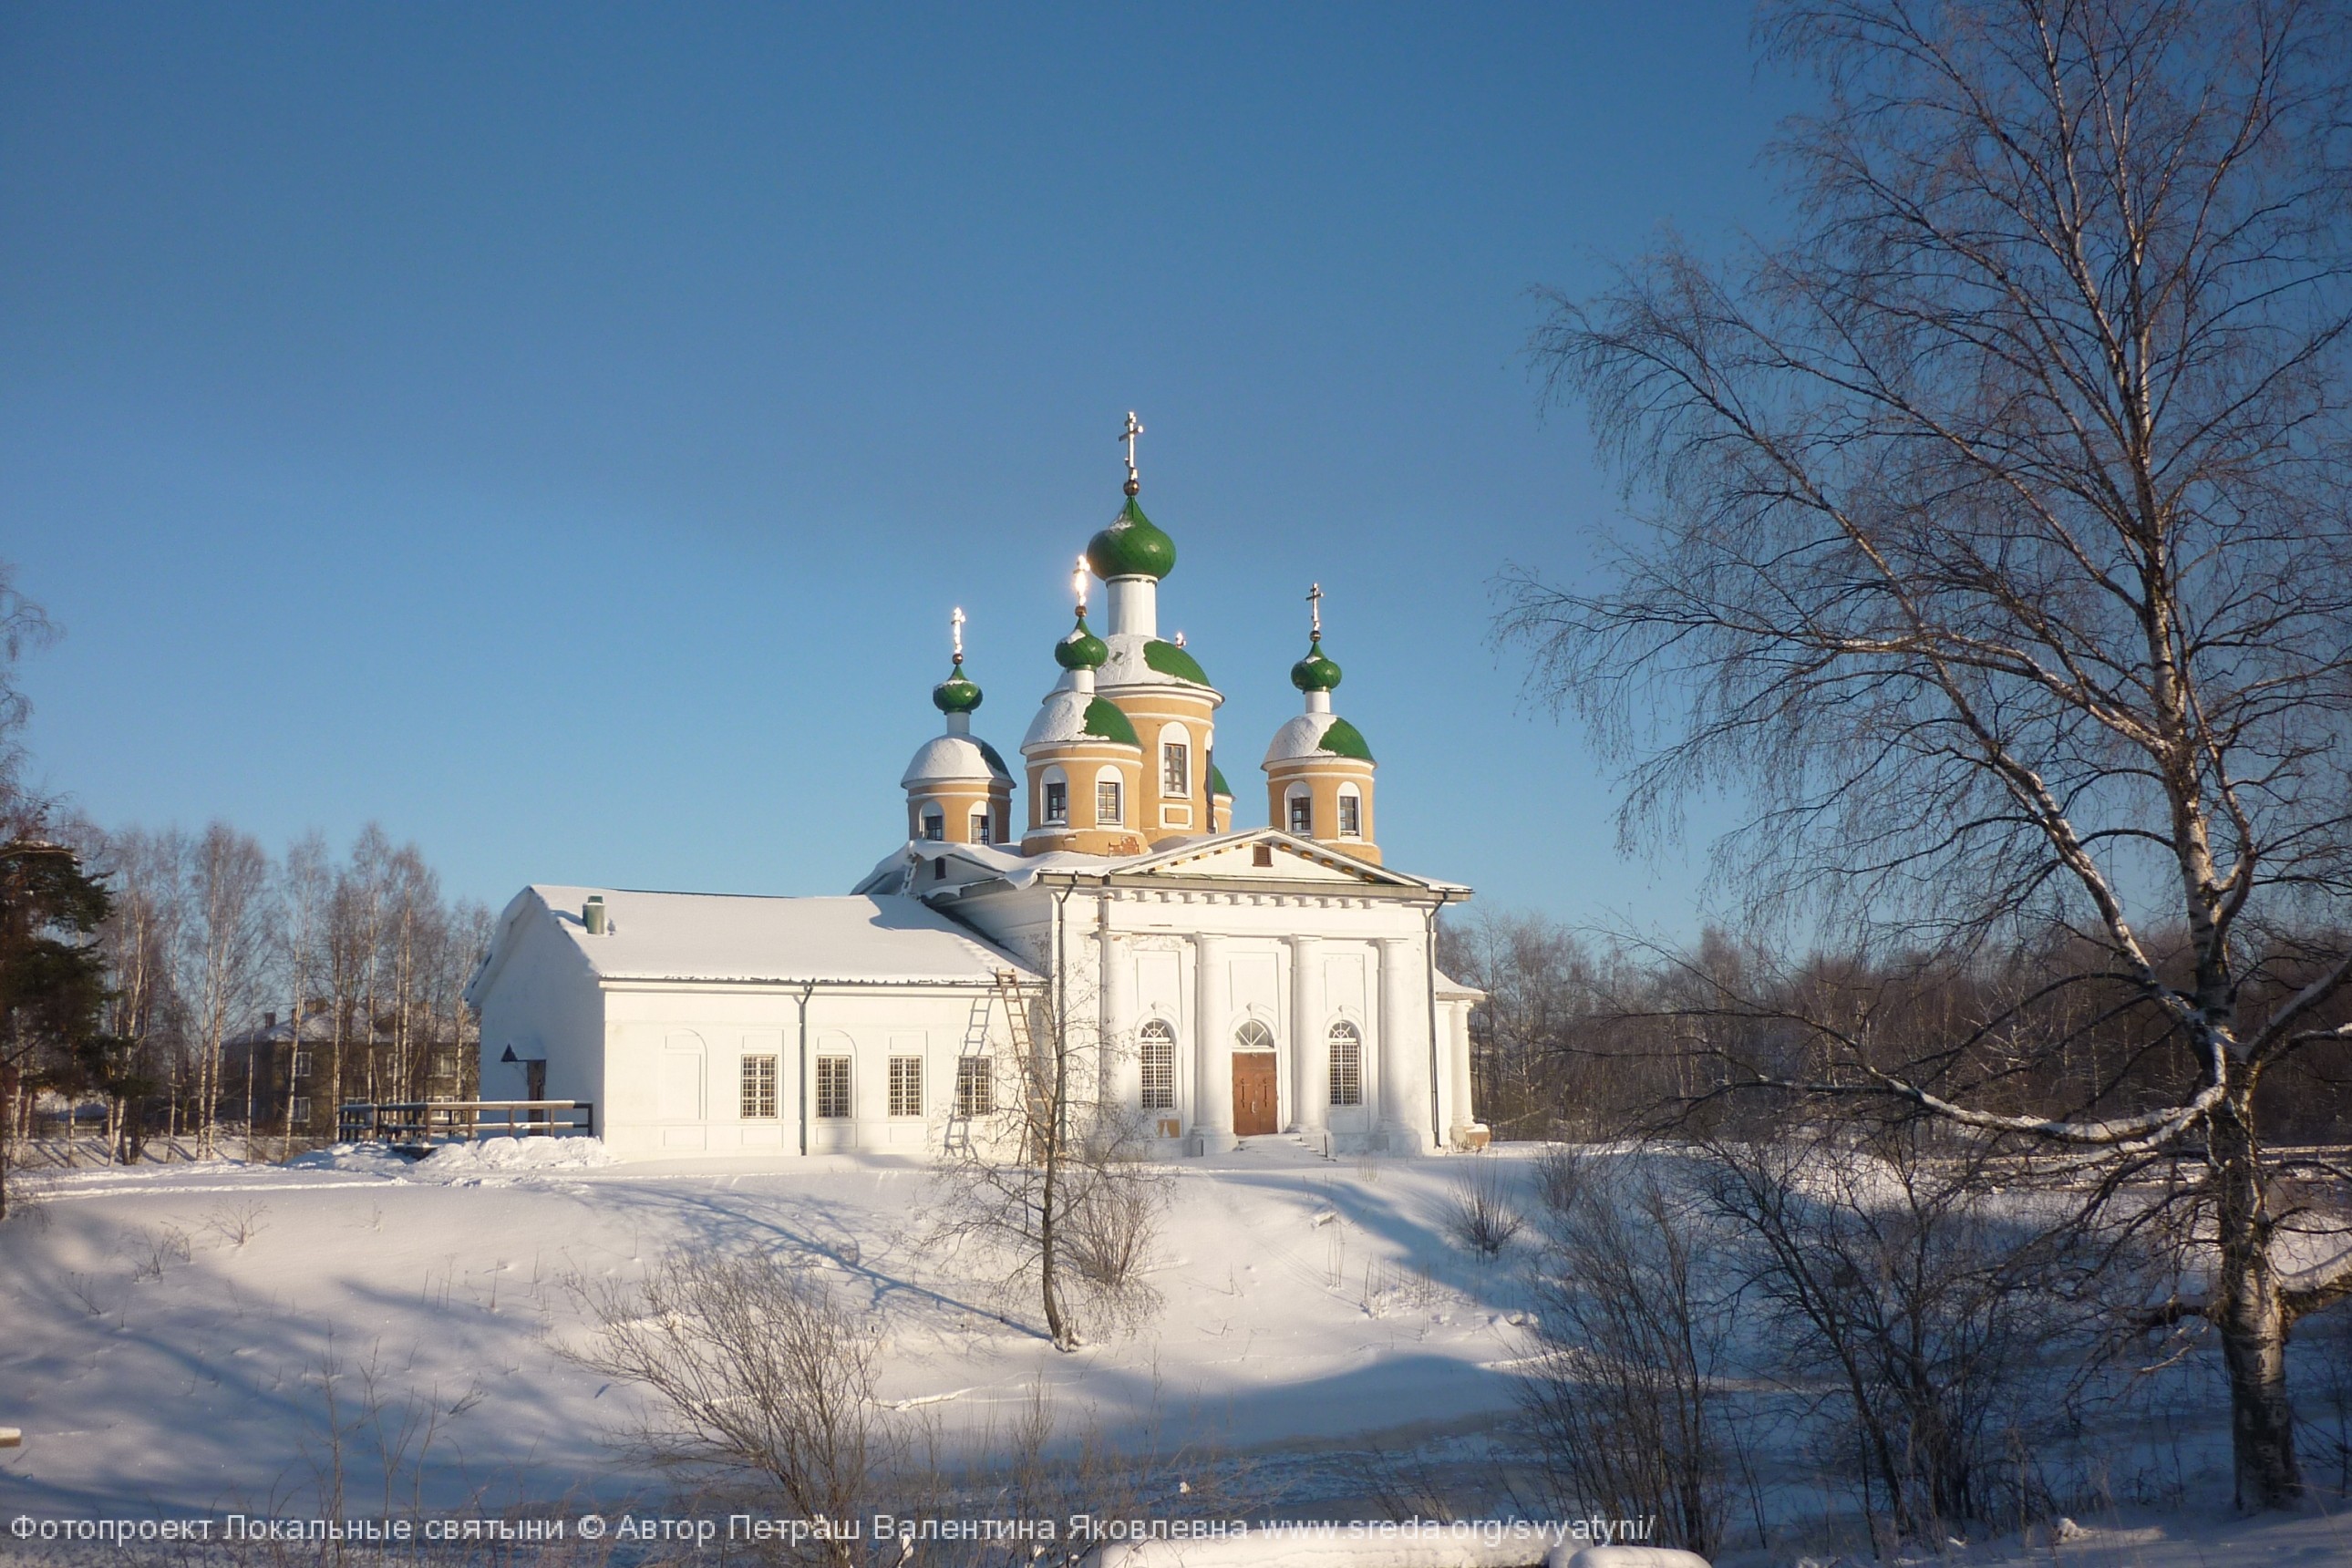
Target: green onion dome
point(1132, 546)
point(956, 693)
point(1317, 671)
point(1081, 650)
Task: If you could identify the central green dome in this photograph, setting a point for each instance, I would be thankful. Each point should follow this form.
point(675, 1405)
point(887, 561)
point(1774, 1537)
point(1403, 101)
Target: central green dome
point(1132, 546)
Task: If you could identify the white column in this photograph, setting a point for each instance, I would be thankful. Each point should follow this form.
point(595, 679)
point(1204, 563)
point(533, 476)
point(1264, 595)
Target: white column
point(1122, 1074)
point(1404, 1047)
point(1457, 1053)
point(1213, 1047)
point(1310, 1053)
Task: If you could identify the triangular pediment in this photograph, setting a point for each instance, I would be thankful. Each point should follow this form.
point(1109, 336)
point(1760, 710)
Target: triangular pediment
point(1264, 854)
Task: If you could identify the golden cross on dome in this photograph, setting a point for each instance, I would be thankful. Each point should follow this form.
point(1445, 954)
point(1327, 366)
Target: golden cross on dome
point(1134, 428)
point(1314, 606)
point(955, 624)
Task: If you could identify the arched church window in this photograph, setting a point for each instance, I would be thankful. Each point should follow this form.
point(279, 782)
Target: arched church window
point(1106, 801)
point(1347, 1064)
point(1253, 1036)
point(1155, 1049)
point(1302, 813)
point(1351, 818)
point(935, 826)
point(980, 826)
point(1057, 798)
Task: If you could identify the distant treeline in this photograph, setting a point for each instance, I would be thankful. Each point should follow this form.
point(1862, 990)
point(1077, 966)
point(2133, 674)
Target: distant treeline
point(1590, 1036)
point(258, 992)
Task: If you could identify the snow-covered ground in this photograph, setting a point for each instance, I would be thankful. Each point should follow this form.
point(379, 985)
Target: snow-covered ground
point(204, 1338)
point(169, 1330)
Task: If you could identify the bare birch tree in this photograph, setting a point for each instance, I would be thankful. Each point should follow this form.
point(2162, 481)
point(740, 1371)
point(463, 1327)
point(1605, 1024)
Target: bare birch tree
point(1049, 1187)
point(306, 891)
point(222, 948)
point(1994, 537)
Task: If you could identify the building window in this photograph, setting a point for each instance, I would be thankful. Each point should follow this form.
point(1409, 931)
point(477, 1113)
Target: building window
point(759, 1087)
point(975, 1086)
point(935, 826)
point(1156, 1046)
point(299, 1109)
point(1302, 815)
point(905, 1086)
point(1253, 1036)
point(833, 1086)
point(1057, 800)
point(980, 828)
point(301, 1066)
point(1176, 770)
point(1107, 814)
point(1351, 820)
point(1347, 1064)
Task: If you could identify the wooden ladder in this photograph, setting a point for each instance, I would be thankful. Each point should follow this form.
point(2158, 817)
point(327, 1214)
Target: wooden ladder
point(1016, 1012)
point(975, 1049)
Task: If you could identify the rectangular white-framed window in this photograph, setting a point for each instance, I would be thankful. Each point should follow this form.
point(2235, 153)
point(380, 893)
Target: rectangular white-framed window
point(298, 1109)
point(1176, 770)
point(1057, 800)
point(905, 1086)
point(1107, 802)
point(1351, 817)
point(975, 1086)
point(759, 1098)
point(301, 1068)
point(832, 1087)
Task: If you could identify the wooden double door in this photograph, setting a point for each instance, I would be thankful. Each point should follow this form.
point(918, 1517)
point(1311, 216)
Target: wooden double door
point(1254, 1112)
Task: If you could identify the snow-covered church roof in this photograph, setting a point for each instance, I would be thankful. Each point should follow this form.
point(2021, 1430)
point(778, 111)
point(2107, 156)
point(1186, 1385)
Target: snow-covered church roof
point(870, 940)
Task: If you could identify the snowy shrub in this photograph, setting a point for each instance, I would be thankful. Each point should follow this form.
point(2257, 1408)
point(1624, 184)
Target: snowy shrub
point(1631, 1337)
point(756, 1371)
point(153, 1251)
point(1112, 1231)
point(1481, 1215)
point(237, 1223)
point(1947, 1332)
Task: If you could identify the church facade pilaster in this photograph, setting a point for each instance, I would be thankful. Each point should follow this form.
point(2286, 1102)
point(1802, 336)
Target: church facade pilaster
point(1212, 1077)
point(1404, 1047)
point(1121, 1072)
point(1310, 1053)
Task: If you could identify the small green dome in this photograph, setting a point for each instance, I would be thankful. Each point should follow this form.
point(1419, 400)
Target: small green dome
point(1081, 650)
point(1315, 672)
point(1132, 546)
point(1217, 784)
point(956, 693)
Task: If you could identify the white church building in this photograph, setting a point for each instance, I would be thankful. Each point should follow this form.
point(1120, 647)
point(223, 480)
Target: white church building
point(1274, 982)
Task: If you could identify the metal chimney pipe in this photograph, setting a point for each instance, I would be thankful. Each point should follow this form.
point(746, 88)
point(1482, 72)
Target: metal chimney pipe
point(592, 914)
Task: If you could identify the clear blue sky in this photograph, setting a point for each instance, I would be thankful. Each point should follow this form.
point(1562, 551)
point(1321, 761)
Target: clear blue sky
point(562, 433)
